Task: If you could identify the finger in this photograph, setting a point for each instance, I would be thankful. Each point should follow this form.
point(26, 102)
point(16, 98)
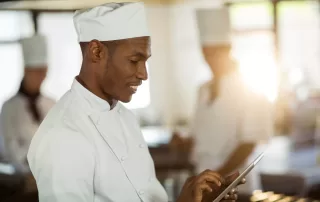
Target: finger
point(236, 190)
point(190, 180)
point(226, 196)
point(233, 191)
point(211, 176)
point(199, 189)
point(232, 197)
point(205, 187)
point(243, 181)
point(213, 173)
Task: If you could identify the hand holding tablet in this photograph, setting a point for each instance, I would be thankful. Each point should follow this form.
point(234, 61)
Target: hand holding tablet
point(234, 182)
point(233, 194)
point(210, 186)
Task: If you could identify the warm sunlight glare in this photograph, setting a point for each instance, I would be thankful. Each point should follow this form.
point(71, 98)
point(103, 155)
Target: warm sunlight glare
point(260, 74)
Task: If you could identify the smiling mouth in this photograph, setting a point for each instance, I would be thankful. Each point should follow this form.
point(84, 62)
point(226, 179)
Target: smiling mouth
point(134, 88)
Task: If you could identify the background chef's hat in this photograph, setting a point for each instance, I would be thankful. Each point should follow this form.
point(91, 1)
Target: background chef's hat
point(34, 51)
point(111, 21)
point(214, 26)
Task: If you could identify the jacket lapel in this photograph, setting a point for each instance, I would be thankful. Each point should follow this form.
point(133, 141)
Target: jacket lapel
point(110, 129)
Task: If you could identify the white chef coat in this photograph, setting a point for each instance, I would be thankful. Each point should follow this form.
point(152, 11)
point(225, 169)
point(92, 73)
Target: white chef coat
point(236, 115)
point(18, 128)
point(305, 119)
point(85, 152)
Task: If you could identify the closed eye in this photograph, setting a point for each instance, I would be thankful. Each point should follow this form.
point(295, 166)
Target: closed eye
point(134, 61)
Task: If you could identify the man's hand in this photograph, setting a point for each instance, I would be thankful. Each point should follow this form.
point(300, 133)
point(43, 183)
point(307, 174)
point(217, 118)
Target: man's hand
point(232, 196)
point(207, 186)
point(197, 186)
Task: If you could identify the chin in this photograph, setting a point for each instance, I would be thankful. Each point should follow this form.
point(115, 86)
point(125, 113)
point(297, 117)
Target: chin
point(126, 99)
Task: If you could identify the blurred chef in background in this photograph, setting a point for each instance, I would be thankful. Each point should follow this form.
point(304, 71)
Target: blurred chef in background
point(229, 120)
point(22, 114)
point(306, 120)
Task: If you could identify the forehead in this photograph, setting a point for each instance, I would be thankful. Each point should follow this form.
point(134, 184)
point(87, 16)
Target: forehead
point(141, 45)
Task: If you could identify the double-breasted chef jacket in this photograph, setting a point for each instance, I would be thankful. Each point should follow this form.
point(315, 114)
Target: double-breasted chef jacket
point(84, 151)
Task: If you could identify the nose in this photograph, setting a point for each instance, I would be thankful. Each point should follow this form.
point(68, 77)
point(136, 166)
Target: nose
point(142, 72)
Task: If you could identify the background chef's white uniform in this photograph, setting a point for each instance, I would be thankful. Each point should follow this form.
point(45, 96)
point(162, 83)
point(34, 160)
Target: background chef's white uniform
point(17, 123)
point(235, 116)
point(84, 151)
point(306, 119)
point(18, 128)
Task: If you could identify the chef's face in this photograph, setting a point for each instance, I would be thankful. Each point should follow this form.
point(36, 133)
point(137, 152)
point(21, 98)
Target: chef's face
point(217, 57)
point(124, 67)
point(33, 78)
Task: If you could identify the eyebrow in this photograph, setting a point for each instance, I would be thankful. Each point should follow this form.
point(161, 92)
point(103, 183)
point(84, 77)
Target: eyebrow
point(136, 53)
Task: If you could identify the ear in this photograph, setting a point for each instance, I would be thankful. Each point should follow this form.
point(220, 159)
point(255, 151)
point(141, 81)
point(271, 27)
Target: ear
point(97, 51)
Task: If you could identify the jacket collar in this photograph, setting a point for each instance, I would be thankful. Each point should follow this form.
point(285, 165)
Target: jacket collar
point(93, 101)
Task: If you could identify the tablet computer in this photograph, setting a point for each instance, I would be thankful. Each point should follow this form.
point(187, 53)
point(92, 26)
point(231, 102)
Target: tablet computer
point(238, 179)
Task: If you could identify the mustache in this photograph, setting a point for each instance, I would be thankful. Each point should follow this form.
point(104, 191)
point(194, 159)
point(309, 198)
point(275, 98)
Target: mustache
point(135, 83)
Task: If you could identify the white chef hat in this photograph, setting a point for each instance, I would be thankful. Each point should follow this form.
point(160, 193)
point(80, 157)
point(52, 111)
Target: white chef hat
point(34, 51)
point(111, 21)
point(214, 26)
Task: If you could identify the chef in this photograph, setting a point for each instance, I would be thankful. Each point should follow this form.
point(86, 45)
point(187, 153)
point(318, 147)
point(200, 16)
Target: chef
point(22, 114)
point(305, 129)
point(229, 119)
point(89, 147)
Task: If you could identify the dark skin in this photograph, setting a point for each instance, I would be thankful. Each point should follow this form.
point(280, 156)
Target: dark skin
point(33, 78)
point(203, 189)
point(111, 71)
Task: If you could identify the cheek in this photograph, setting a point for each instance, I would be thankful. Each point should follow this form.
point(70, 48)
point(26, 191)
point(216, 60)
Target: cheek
point(111, 80)
point(106, 80)
point(124, 73)
point(129, 70)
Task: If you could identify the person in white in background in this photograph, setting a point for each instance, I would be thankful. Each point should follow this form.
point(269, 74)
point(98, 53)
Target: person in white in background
point(305, 127)
point(229, 120)
point(89, 147)
point(22, 114)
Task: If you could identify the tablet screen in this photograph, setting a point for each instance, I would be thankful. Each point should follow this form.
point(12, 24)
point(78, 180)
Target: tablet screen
point(239, 178)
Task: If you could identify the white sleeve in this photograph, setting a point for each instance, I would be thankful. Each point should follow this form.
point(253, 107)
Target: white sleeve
point(63, 166)
point(256, 120)
point(199, 99)
point(13, 152)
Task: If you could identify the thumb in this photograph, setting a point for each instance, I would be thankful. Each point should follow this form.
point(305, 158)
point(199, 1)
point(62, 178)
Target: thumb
point(232, 177)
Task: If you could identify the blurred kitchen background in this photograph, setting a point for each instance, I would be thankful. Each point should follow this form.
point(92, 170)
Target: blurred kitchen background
point(277, 46)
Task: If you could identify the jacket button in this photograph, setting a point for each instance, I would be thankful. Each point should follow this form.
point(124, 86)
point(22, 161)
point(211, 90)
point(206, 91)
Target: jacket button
point(141, 145)
point(141, 192)
point(123, 158)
